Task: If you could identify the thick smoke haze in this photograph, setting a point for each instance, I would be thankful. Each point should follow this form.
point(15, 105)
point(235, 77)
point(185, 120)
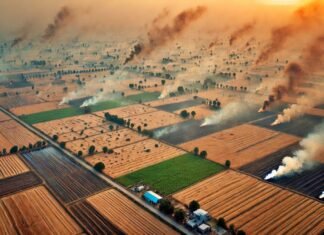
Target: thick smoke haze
point(303, 20)
point(240, 32)
point(312, 147)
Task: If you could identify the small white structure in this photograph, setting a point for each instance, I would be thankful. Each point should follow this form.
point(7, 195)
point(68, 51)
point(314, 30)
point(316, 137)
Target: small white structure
point(139, 188)
point(204, 229)
point(201, 216)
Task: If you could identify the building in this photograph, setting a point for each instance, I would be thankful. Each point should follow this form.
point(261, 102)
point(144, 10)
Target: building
point(152, 197)
point(204, 229)
point(201, 216)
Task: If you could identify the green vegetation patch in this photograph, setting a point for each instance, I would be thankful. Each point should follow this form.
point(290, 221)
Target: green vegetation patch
point(74, 111)
point(173, 175)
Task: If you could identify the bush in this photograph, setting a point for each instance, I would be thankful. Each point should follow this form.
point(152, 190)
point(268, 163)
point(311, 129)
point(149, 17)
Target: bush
point(62, 144)
point(179, 215)
point(91, 149)
point(166, 207)
point(228, 163)
point(80, 153)
point(240, 232)
point(203, 154)
point(100, 166)
point(184, 114)
point(105, 149)
point(196, 151)
point(221, 223)
point(14, 149)
point(55, 137)
point(193, 205)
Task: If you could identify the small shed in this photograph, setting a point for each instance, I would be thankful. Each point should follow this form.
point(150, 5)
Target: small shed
point(204, 228)
point(201, 216)
point(152, 197)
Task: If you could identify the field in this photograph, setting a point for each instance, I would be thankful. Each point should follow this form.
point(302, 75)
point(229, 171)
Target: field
point(68, 180)
point(166, 101)
point(202, 111)
point(18, 183)
point(192, 129)
point(241, 144)
point(307, 122)
point(134, 157)
point(112, 139)
point(11, 165)
point(93, 222)
point(126, 215)
point(128, 111)
point(309, 181)
point(36, 108)
point(12, 133)
point(34, 211)
point(154, 120)
point(180, 105)
point(172, 175)
point(4, 117)
point(71, 124)
point(255, 206)
point(74, 111)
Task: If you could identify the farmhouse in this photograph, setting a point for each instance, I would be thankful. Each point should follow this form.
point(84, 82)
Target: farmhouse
point(152, 197)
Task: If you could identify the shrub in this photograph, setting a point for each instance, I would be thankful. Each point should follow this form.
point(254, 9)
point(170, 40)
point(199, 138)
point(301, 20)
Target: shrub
point(193, 205)
point(228, 163)
point(14, 149)
point(91, 149)
point(166, 207)
point(55, 137)
point(100, 166)
point(203, 154)
point(179, 215)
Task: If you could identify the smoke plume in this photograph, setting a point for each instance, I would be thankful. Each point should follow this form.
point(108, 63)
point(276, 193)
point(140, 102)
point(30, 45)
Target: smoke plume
point(231, 111)
point(312, 61)
point(245, 29)
point(312, 147)
point(303, 19)
point(160, 35)
point(61, 20)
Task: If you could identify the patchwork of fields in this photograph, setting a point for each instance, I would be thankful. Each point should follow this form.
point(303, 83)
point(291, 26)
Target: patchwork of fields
point(254, 206)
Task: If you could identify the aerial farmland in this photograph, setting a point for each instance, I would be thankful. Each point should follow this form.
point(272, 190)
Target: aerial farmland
point(162, 117)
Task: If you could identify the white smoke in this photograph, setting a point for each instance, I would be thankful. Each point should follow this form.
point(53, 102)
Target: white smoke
point(229, 112)
point(311, 147)
point(302, 105)
point(165, 131)
point(322, 195)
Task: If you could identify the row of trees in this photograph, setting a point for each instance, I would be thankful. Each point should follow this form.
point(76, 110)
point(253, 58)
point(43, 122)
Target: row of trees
point(202, 154)
point(16, 149)
point(186, 114)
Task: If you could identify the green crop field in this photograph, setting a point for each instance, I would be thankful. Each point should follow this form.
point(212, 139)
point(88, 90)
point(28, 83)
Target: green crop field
point(173, 175)
point(73, 111)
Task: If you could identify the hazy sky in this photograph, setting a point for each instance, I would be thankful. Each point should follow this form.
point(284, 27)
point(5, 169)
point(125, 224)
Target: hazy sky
point(131, 16)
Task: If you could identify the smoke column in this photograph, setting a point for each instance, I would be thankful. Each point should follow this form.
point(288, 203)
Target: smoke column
point(61, 19)
point(160, 35)
point(245, 29)
point(312, 61)
point(302, 20)
point(311, 147)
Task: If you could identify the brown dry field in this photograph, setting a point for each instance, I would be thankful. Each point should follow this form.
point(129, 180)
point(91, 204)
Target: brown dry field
point(11, 165)
point(242, 144)
point(155, 119)
point(202, 111)
point(171, 100)
point(36, 108)
point(128, 111)
point(126, 215)
point(255, 206)
point(111, 140)
point(316, 112)
point(133, 157)
point(70, 124)
point(4, 117)
point(20, 100)
point(16, 134)
point(34, 211)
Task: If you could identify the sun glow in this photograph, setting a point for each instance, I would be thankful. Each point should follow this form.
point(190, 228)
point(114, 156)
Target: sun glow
point(281, 2)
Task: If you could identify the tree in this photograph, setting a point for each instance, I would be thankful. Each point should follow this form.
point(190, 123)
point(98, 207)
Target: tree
point(196, 151)
point(179, 215)
point(105, 149)
point(166, 207)
point(55, 137)
point(14, 149)
point(91, 149)
point(87, 109)
point(193, 205)
point(203, 154)
point(240, 232)
point(99, 166)
point(193, 114)
point(184, 114)
point(111, 127)
point(181, 89)
point(163, 82)
point(80, 153)
point(139, 128)
point(62, 144)
point(228, 163)
point(221, 223)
